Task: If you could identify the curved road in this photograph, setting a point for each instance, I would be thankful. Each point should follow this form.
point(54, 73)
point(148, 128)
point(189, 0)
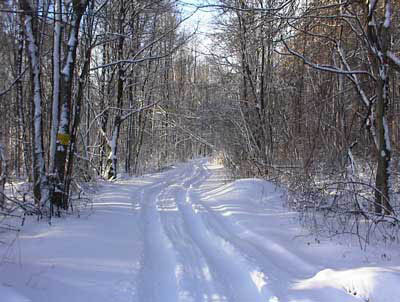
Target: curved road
point(203, 242)
point(182, 235)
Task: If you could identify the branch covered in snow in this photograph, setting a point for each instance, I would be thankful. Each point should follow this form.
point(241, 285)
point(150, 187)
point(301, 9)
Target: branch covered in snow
point(8, 89)
point(395, 60)
point(327, 68)
point(245, 9)
point(135, 59)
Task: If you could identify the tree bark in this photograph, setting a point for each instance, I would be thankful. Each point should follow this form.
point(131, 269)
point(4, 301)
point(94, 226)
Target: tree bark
point(19, 100)
point(56, 84)
point(3, 175)
point(63, 136)
point(378, 35)
point(39, 176)
point(112, 161)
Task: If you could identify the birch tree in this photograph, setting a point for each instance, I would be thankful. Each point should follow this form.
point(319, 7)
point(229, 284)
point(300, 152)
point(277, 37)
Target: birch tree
point(112, 158)
point(57, 37)
point(21, 114)
point(60, 197)
point(3, 175)
point(31, 34)
point(132, 53)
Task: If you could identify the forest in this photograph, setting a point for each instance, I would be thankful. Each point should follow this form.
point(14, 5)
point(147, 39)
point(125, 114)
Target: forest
point(302, 93)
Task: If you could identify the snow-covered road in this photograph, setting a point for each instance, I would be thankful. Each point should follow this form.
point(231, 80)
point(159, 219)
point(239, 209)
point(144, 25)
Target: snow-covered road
point(185, 235)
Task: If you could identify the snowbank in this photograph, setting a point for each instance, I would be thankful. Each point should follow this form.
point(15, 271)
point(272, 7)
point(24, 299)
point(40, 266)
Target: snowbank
point(185, 235)
point(8, 294)
point(375, 284)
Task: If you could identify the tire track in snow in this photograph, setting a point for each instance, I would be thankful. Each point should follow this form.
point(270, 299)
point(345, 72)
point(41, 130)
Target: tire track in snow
point(171, 271)
point(185, 257)
point(254, 250)
point(252, 254)
point(227, 266)
point(157, 277)
point(196, 283)
point(263, 270)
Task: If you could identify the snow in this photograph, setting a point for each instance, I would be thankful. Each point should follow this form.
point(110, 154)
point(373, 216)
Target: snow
point(113, 143)
point(37, 100)
point(394, 58)
point(56, 84)
point(63, 122)
point(72, 42)
point(67, 67)
point(10, 295)
point(388, 144)
point(372, 5)
point(388, 14)
point(186, 234)
point(382, 70)
point(363, 282)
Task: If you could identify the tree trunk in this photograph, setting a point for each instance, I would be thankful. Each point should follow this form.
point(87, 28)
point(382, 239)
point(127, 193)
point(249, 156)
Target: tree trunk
point(56, 85)
point(77, 117)
point(112, 161)
point(379, 39)
point(39, 176)
point(384, 152)
point(20, 105)
point(63, 136)
point(3, 175)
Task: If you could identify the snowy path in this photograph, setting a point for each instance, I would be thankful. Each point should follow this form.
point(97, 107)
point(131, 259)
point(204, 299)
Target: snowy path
point(184, 235)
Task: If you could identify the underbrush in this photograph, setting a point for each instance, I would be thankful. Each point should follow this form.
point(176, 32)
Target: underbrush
point(335, 203)
point(19, 206)
point(332, 200)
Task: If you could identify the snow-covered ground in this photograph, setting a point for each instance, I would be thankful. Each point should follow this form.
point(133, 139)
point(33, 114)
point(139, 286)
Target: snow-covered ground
point(186, 235)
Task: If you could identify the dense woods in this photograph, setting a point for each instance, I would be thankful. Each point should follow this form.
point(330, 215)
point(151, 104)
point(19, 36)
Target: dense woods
point(305, 93)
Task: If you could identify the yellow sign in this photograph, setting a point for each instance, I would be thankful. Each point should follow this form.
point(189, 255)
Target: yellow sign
point(63, 138)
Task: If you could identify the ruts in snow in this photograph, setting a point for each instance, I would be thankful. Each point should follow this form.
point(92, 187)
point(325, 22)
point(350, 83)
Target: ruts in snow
point(184, 235)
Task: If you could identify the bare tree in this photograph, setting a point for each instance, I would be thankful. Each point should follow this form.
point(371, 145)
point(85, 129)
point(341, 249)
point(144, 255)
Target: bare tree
point(31, 34)
point(376, 39)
